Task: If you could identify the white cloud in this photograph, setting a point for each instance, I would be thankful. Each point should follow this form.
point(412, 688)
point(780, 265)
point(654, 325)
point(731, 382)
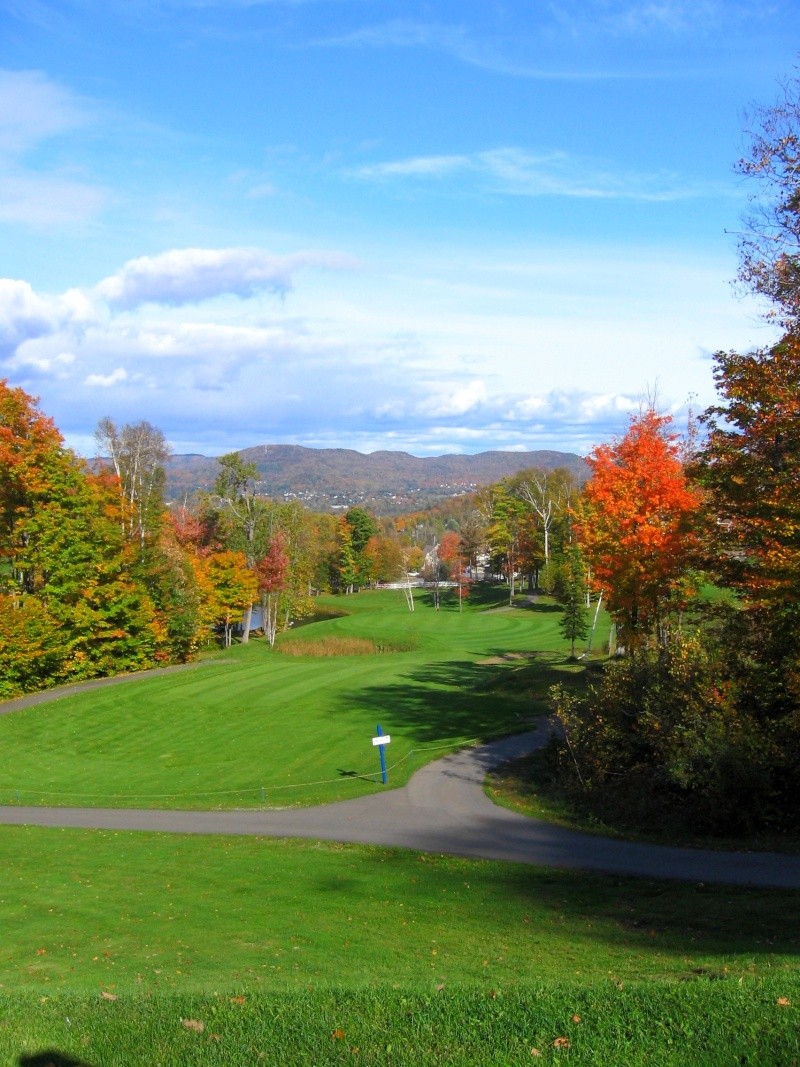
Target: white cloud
point(105, 381)
point(460, 401)
point(191, 275)
point(23, 314)
point(465, 351)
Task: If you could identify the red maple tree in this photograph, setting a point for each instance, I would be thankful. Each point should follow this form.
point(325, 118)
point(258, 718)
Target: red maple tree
point(635, 524)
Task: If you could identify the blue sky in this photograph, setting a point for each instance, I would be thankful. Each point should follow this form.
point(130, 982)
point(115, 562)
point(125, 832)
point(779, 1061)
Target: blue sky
point(430, 226)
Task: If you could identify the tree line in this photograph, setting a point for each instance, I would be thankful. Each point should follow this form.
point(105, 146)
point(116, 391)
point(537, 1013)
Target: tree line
point(696, 545)
point(98, 576)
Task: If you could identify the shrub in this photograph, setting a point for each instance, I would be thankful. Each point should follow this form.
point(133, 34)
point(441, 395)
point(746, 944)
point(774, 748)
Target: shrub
point(664, 731)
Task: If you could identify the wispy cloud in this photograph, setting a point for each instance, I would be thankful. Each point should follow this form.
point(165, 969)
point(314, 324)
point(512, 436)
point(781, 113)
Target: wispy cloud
point(34, 110)
point(517, 172)
point(565, 40)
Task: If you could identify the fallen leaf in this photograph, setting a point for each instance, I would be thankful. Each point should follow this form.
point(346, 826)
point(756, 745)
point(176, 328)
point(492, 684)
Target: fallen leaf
point(535, 1052)
point(337, 1035)
point(108, 996)
point(783, 1001)
point(237, 1000)
point(576, 1018)
point(194, 1024)
point(561, 1042)
point(439, 987)
point(41, 951)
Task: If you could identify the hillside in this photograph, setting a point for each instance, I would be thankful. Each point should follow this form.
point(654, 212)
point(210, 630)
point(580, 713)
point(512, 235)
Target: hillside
point(388, 482)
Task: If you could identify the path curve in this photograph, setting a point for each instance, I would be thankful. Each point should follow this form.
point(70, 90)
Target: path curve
point(443, 808)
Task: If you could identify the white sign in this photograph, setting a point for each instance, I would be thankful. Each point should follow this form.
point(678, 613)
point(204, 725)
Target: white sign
point(384, 739)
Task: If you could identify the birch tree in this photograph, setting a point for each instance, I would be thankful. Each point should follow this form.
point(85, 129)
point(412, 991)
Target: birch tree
point(137, 453)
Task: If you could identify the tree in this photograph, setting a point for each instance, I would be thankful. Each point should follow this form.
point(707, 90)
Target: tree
point(383, 557)
point(750, 465)
point(453, 554)
point(548, 494)
point(67, 571)
point(573, 623)
point(506, 531)
point(272, 572)
point(770, 246)
point(229, 586)
point(242, 513)
point(137, 454)
point(635, 525)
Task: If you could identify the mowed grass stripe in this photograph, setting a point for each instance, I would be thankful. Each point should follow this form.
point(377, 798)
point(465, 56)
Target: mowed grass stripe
point(259, 720)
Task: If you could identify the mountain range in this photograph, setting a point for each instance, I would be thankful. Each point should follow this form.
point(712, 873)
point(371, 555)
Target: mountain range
point(331, 479)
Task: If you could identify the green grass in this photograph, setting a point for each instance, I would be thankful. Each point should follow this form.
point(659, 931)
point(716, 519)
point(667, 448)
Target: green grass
point(148, 950)
point(693, 1023)
point(257, 728)
point(142, 912)
point(463, 961)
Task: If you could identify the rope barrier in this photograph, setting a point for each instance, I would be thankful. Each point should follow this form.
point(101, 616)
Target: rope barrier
point(263, 789)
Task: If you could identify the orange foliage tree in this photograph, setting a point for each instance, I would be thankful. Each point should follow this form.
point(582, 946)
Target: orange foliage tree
point(635, 525)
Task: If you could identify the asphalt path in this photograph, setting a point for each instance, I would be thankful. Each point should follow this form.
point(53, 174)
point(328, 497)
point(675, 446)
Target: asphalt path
point(444, 809)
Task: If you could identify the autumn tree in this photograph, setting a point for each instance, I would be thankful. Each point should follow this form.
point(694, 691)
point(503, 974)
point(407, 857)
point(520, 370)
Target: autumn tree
point(137, 453)
point(506, 531)
point(751, 468)
point(272, 574)
point(635, 525)
point(453, 553)
point(383, 558)
point(242, 513)
point(68, 581)
point(230, 586)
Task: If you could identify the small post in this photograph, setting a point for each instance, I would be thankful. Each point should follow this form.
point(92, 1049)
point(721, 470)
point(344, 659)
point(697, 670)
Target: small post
point(380, 742)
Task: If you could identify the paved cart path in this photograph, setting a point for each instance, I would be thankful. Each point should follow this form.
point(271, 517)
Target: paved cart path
point(443, 809)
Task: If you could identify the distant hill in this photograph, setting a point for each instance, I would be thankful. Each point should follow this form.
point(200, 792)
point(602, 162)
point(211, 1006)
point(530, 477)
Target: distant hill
point(331, 479)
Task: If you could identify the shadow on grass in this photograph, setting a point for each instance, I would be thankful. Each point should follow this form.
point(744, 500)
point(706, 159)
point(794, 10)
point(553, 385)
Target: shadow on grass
point(486, 699)
point(538, 607)
point(705, 928)
point(51, 1058)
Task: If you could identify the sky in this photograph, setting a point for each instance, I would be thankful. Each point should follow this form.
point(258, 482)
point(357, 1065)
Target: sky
point(428, 225)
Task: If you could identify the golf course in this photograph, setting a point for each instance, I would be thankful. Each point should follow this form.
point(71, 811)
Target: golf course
point(144, 948)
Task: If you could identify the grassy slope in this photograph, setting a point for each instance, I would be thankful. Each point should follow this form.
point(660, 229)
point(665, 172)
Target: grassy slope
point(279, 947)
point(296, 952)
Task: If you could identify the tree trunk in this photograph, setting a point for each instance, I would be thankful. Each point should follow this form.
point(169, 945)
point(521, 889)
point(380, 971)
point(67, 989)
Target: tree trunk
point(246, 624)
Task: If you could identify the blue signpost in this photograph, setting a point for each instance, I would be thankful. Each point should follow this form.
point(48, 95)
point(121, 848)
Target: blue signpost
point(381, 741)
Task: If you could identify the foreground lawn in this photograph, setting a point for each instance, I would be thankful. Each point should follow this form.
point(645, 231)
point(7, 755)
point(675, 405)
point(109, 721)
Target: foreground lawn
point(698, 1023)
point(288, 952)
point(88, 911)
point(255, 727)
